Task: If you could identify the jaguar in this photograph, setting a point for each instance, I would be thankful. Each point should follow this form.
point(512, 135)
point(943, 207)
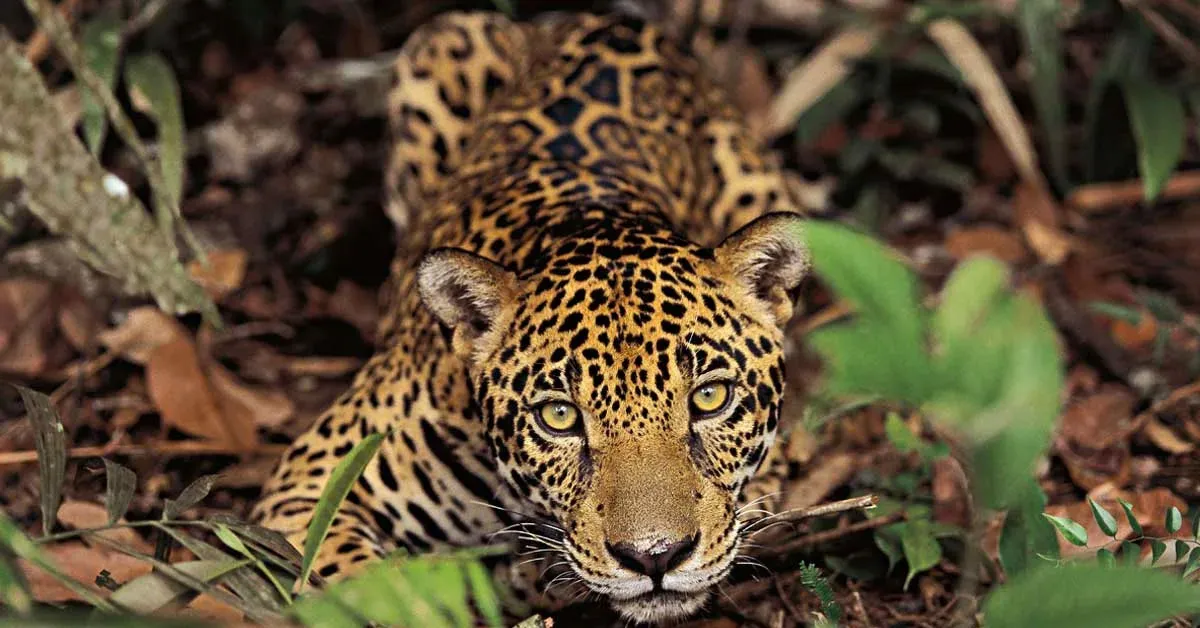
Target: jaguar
point(582, 351)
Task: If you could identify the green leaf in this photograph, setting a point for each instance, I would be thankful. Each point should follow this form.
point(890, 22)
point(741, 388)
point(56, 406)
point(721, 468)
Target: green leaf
point(154, 91)
point(120, 484)
point(882, 350)
point(1038, 21)
point(340, 482)
point(231, 540)
point(1174, 520)
point(1026, 534)
point(1158, 120)
point(1127, 52)
point(101, 41)
point(1193, 562)
point(14, 590)
point(1130, 553)
point(484, 593)
point(1074, 533)
point(151, 592)
point(887, 539)
point(1181, 550)
point(51, 444)
point(899, 435)
point(1157, 548)
point(1105, 558)
point(192, 495)
point(921, 548)
point(1131, 518)
point(1116, 311)
point(1107, 523)
point(1089, 595)
point(971, 291)
point(1012, 433)
point(1195, 517)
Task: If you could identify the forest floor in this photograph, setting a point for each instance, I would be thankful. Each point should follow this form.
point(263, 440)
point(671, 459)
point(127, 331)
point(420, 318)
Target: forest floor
point(284, 182)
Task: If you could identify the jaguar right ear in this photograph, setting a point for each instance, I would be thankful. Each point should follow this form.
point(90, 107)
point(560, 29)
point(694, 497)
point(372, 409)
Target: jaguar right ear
point(769, 258)
point(471, 295)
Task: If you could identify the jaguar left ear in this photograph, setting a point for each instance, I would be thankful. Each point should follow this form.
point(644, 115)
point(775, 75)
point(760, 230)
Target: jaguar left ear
point(471, 295)
point(769, 258)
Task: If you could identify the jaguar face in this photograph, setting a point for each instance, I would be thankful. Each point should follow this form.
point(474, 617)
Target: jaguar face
point(630, 389)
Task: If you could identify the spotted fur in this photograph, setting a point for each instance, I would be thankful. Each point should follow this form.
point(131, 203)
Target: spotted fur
point(585, 220)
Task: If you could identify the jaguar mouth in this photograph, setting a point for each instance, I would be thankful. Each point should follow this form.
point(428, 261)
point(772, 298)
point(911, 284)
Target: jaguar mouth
point(660, 605)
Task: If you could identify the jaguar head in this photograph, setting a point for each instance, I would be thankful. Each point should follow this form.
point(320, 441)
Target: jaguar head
point(631, 387)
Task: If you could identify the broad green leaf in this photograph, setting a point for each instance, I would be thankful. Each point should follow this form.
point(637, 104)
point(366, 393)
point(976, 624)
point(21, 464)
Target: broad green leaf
point(899, 435)
point(887, 539)
point(120, 483)
point(921, 548)
point(192, 495)
point(1157, 548)
point(1105, 558)
point(1174, 520)
point(51, 444)
point(1082, 594)
point(1181, 550)
point(970, 292)
point(154, 90)
point(1157, 117)
point(233, 542)
point(1038, 21)
point(325, 612)
point(14, 590)
point(1127, 52)
point(101, 41)
point(1130, 553)
point(1012, 434)
point(340, 482)
point(1074, 533)
point(1195, 516)
point(1107, 523)
point(1026, 534)
point(1131, 518)
point(1193, 562)
point(150, 592)
point(484, 593)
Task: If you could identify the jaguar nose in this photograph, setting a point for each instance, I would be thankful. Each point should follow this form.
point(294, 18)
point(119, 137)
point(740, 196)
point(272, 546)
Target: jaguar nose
point(658, 559)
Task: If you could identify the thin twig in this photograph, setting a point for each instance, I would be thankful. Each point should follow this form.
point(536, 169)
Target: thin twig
point(162, 449)
point(166, 210)
point(1097, 197)
point(39, 44)
point(819, 538)
point(820, 510)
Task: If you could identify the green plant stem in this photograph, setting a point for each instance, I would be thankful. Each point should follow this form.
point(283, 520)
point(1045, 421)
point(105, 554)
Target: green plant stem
point(166, 211)
point(63, 536)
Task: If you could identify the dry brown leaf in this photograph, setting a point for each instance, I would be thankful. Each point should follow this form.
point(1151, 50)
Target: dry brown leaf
point(180, 388)
point(207, 608)
point(144, 330)
point(80, 514)
point(26, 321)
point(819, 73)
point(79, 322)
point(224, 272)
point(999, 243)
point(243, 403)
point(1165, 438)
point(951, 497)
point(82, 563)
point(1137, 336)
point(1101, 420)
point(1038, 215)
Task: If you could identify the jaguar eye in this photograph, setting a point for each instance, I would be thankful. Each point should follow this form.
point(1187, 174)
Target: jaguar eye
point(710, 398)
point(558, 416)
